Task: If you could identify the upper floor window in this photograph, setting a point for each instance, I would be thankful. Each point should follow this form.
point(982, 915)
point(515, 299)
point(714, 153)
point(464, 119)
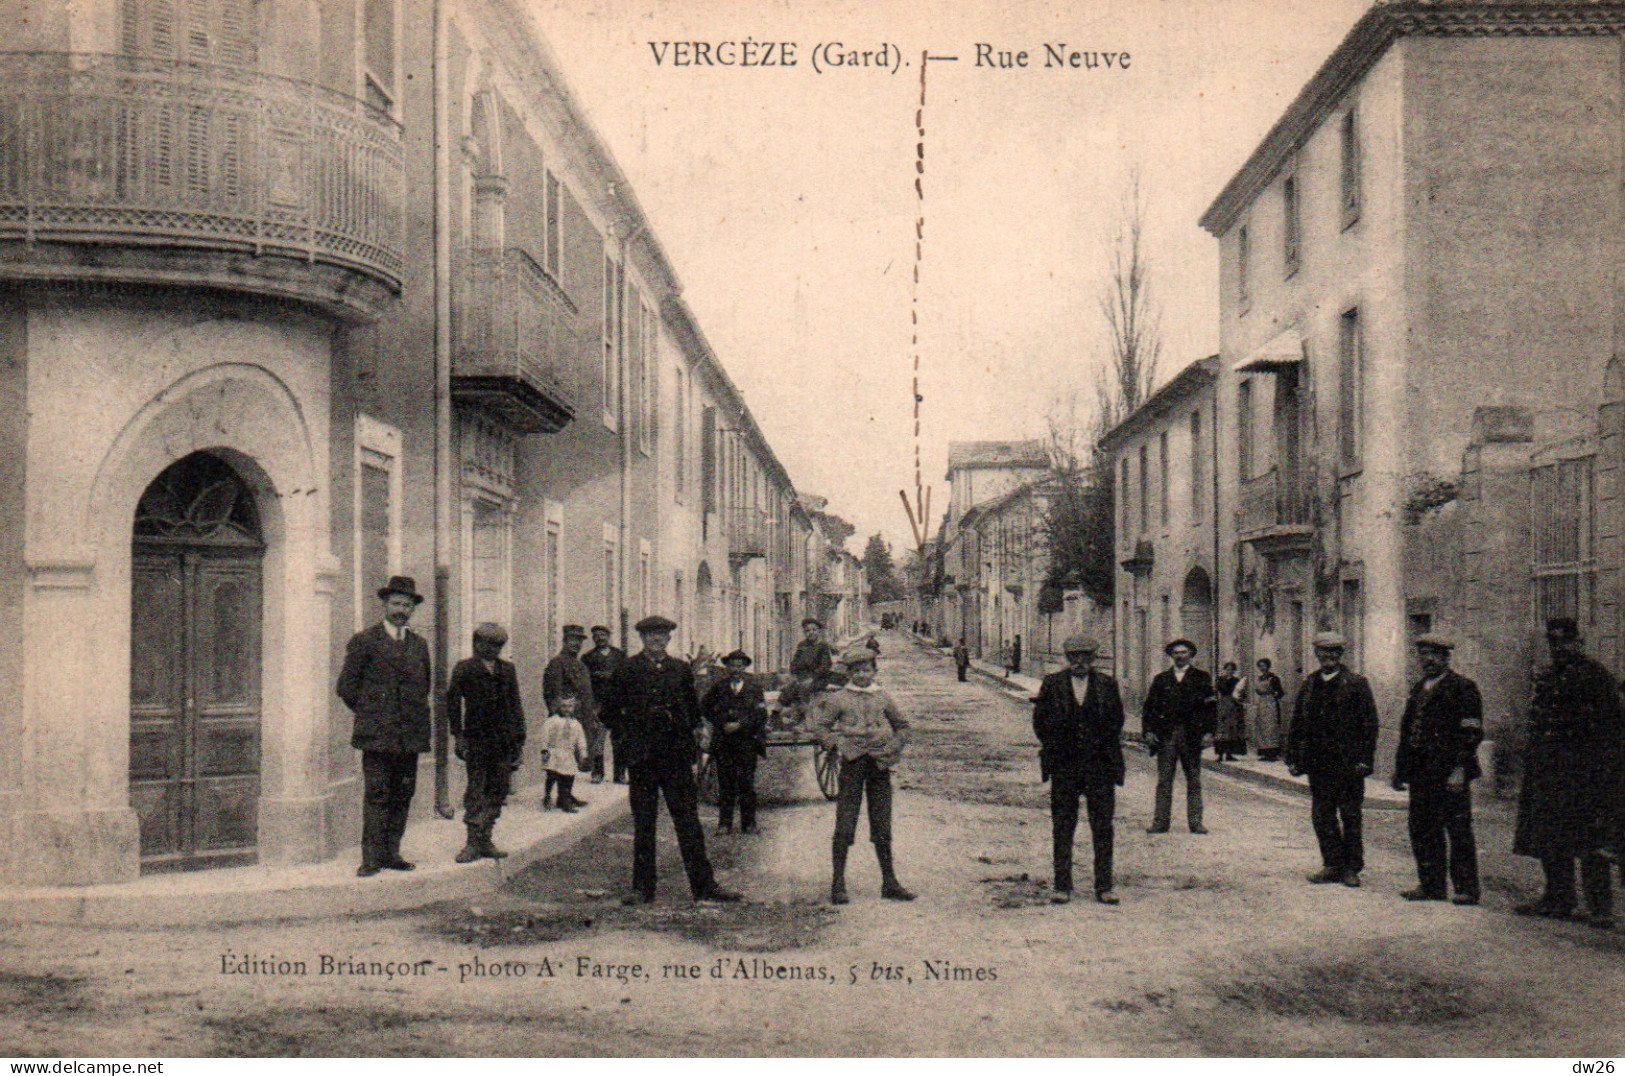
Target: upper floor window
point(1145, 489)
point(1197, 456)
point(1244, 258)
point(551, 225)
point(1122, 500)
point(1350, 388)
point(199, 31)
point(378, 53)
point(679, 464)
point(649, 333)
point(1244, 429)
point(1291, 224)
point(1351, 168)
point(1162, 475)
point(614, 298)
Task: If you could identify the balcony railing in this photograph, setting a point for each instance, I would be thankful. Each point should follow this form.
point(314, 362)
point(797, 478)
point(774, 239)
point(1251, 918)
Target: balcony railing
point(1272, 508)
point(152, 153)
point(750, 534)
point(515, 342)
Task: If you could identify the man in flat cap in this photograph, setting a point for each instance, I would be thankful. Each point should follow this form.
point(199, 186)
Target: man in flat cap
point(1333, 739)
point(1438, 759)
point(1178, 712)
point(567, 674)
point(487, 723)
point(862, 724)
point(735, 709)
point(811, 666)
point(1078, 716)
point(1570, 768)
point(654, 712)
point(601, 660)
point(385, 683)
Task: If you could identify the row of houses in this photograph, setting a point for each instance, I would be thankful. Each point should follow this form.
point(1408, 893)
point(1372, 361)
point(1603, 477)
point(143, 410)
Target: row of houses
point(1414, 421)
point(295, 297)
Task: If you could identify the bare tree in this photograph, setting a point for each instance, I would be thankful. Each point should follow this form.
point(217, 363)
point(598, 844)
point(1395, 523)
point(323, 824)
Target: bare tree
point(1133, 321)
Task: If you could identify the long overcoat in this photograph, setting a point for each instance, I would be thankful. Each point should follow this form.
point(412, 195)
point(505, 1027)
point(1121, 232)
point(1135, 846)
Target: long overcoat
point(1342, 738)
point(653, 711)
point(386, 684)
point(1085, 741)
point(1569, 802)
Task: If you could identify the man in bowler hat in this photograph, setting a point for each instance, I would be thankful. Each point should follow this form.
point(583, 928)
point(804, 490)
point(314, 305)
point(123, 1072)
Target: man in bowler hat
point(654, 713)
point(1078, 716)
point(735, 709)
point(487, 723)
point(1179, 711)
point(385, 682)
point(1438, 760)
point(1333, 739)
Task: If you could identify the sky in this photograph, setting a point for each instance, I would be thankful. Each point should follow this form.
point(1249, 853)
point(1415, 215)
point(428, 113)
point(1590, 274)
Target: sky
point(785, 198)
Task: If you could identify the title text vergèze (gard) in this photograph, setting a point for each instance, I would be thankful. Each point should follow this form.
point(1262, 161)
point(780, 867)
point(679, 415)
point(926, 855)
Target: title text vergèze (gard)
point(838, 55)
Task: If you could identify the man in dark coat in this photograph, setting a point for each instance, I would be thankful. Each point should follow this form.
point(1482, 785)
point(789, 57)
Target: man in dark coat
point(738, 716)
point(602, 661)
point(654, 713)
point(1570, 767)
point(1078, 717)
point(1179, 711)
point(385, 682)
point(487, 723)
point(961, 659)
point(1333, 739)
point(1438, 759)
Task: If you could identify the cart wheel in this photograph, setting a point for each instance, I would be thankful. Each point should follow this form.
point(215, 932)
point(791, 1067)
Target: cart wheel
point(705, 777)
point(827, 765)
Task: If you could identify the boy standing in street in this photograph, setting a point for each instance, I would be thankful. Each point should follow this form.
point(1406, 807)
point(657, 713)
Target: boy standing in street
point(487, 723)
point(863, 724)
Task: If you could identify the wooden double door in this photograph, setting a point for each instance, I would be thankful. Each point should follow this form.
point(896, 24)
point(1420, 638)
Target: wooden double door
point(195, 679)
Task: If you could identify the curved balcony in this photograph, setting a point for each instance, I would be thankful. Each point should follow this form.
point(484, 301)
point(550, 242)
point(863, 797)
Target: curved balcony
point(118, 168)
point(514, 337)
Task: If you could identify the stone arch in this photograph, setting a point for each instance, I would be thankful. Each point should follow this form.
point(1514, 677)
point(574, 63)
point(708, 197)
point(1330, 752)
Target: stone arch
point(704, 606)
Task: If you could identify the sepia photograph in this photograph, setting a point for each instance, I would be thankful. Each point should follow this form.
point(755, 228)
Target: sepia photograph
point(811, 528)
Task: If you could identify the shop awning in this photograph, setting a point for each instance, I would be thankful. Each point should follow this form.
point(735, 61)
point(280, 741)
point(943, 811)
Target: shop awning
point(1283, 351)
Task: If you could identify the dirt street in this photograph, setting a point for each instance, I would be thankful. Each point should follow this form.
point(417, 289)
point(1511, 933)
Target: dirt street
point(1220, 947)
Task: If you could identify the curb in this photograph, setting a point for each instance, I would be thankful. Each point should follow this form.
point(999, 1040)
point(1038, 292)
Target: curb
point(320, 890)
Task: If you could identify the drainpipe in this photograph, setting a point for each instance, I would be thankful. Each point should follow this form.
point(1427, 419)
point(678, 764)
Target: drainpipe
point(624, 428)
point(442, 410)
point(1218, 566)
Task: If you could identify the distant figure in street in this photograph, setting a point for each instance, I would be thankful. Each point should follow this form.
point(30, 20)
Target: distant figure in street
point(961, 659)
point(487, 724)
point(1333, 739)
point(565, 742)
point(1078, 717)
point(1178, 712)
point(1438, 759)
point(1230, 727)
point(1571, 770)
point(385, 682)
point(864, 726)
point(601, 662)
point(654, 713)
point(567, 674)
point(735, 709)
point(873, 643)
point(1015, 656)
point(1267, 694)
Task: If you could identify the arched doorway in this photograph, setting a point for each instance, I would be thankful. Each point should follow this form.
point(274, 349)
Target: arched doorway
point(704, 607)
point(1196, 612)
point(195, 667)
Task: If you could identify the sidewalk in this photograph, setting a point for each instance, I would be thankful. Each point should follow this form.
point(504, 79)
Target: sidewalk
point(1378, 795)
point(330, 888)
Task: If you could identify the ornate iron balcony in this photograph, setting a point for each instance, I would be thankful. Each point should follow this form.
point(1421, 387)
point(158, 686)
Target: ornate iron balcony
point(514, 342)
point(166, 161)
point(1274, 514)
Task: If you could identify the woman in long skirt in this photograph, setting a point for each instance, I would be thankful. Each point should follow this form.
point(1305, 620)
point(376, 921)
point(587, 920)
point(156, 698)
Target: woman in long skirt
point(1267, 694)
point(1230, 731)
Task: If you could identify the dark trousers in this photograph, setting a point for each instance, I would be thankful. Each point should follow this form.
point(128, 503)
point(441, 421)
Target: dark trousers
point(858, 775)
point(595, 750)
point(1336, 803)
point(389, 779)
point(565, 783)
point(736, 783)
point(490, 779)
point(1183, 750)
point(962, 669)
point(1441, 824)
point(620, 766)
point(646, 784)
point(1596, 875)
point(1101, 798)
